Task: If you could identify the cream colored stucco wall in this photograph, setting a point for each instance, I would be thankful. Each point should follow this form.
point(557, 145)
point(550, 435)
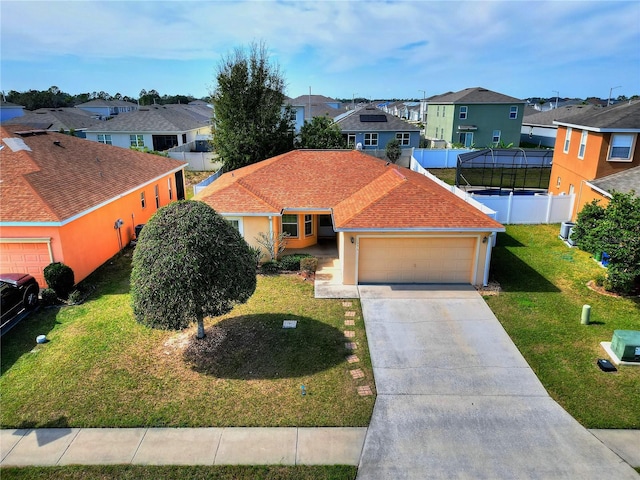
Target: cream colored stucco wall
point(348, 252)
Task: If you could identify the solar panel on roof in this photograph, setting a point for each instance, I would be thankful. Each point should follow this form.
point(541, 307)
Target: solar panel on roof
point(373, 118)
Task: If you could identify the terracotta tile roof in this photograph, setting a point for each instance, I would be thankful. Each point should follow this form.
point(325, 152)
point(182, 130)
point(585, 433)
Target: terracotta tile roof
point(51, 183)
point(362, 191)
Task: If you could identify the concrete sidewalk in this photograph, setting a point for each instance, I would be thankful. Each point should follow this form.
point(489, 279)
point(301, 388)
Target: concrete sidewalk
point(182, 446)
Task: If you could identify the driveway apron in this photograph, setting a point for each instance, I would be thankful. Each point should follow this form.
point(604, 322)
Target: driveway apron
point(456, 399)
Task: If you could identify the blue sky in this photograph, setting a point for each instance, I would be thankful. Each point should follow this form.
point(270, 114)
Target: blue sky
point(338, 48)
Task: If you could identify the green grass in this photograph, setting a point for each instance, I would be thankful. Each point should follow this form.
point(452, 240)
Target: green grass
point(505, 177)
point(102, 369)
point(135, 472)
point(544, 289)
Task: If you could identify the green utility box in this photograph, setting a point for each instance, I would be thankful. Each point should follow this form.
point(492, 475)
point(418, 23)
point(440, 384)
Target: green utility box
point(626, 345)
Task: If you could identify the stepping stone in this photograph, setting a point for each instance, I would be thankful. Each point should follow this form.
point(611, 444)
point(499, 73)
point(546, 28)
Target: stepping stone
point(349, 333)
point(350, 345)
point(364, 391)
point(353, 359)
point(346, 304)
point(349, 322)
point(357, 373)
point(350, 313)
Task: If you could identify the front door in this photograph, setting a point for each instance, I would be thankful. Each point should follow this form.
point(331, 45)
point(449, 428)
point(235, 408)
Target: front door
point(325, 227)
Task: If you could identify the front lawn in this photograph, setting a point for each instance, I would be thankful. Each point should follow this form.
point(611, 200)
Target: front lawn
point(102, 369)
point(139, 472)
point(544, 289)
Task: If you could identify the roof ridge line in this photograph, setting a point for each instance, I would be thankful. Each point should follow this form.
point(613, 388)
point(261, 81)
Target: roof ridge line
point(400, 178)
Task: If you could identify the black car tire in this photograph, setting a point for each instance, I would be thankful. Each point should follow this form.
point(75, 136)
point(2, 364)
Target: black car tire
point(30, 299)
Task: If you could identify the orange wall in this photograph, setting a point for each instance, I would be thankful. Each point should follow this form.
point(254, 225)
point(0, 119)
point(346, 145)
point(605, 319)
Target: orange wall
point(575, 171)
point(89, 241)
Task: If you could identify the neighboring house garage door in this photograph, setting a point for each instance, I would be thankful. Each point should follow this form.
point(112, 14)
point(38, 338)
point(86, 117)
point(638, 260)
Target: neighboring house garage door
point(28, 258)
point(416, 260)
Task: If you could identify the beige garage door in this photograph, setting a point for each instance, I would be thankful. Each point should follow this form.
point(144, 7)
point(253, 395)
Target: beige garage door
point(416, 260)
point(28, 258)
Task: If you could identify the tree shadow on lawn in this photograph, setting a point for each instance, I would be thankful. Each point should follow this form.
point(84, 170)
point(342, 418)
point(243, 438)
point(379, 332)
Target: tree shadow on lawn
point(253, 347)
point(21, 339)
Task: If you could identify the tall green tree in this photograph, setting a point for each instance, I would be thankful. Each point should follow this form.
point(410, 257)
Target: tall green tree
point(189, 263)
point(320, 132)
point(250, 121)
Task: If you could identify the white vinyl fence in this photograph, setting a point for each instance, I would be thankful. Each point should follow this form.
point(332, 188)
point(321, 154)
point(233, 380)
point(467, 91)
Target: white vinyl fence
point(198, 161)
point(439, 157)
point(508, 209)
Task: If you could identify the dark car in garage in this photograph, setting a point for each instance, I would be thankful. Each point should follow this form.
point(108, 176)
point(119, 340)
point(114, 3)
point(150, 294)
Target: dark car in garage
point(19, 295)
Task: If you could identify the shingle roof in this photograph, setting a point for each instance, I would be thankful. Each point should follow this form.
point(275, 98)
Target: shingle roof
point(623, 116)
point(157, 118)
point(623, 182)
point(54, 119)
point(353, 122)
point(317, 99)
point(473, 95)
point(562, 113)
point(45, 182)
point(363, 192)
point(98, 102)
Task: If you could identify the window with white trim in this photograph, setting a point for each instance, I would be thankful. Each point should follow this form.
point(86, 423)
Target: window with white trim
point(370, 139)
point(495, 138)
point(235, 222)
point(463, 113)
point(170, 188)
point(558, 182)
point(513, 112)
point(621, 147)
point(351, 140)
point(437, 110)
point(583, 144)
point(156, 191)
point(143, 201)
point(106, 139)
point(403, 138)
point(567, 140)
point(308, 225)
point(290, 225)
point(136, 140)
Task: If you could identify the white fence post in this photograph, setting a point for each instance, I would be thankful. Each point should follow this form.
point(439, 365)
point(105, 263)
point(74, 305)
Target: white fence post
point(509, 206)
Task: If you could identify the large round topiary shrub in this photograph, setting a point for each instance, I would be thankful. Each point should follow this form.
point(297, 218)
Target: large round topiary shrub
point(189, 263)
point(60, 278)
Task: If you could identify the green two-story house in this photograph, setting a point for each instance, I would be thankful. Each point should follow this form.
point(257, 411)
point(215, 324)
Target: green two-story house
point(475, 117)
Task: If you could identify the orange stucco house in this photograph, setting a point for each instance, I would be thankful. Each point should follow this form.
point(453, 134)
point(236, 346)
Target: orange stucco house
point(65, 199)
point(389, 224)
point(596, 153)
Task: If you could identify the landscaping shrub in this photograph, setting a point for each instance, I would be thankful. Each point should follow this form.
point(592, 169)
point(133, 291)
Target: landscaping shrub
point(60, 278)
point(49, 297)
point(270, 267)
point(616, 231)
point(309, 264)
point(291, 263)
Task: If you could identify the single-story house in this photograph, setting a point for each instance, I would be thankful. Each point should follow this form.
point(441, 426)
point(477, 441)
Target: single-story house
point(157, 127)
point(56, 120)
point(68, 200)
point(389, 224)
point(538, 127)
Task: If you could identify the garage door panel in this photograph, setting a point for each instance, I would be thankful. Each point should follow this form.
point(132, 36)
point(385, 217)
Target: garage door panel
point(28, 258)
point(416, 260)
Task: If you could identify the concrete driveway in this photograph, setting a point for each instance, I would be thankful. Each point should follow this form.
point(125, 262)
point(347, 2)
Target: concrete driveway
point(456, 399)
